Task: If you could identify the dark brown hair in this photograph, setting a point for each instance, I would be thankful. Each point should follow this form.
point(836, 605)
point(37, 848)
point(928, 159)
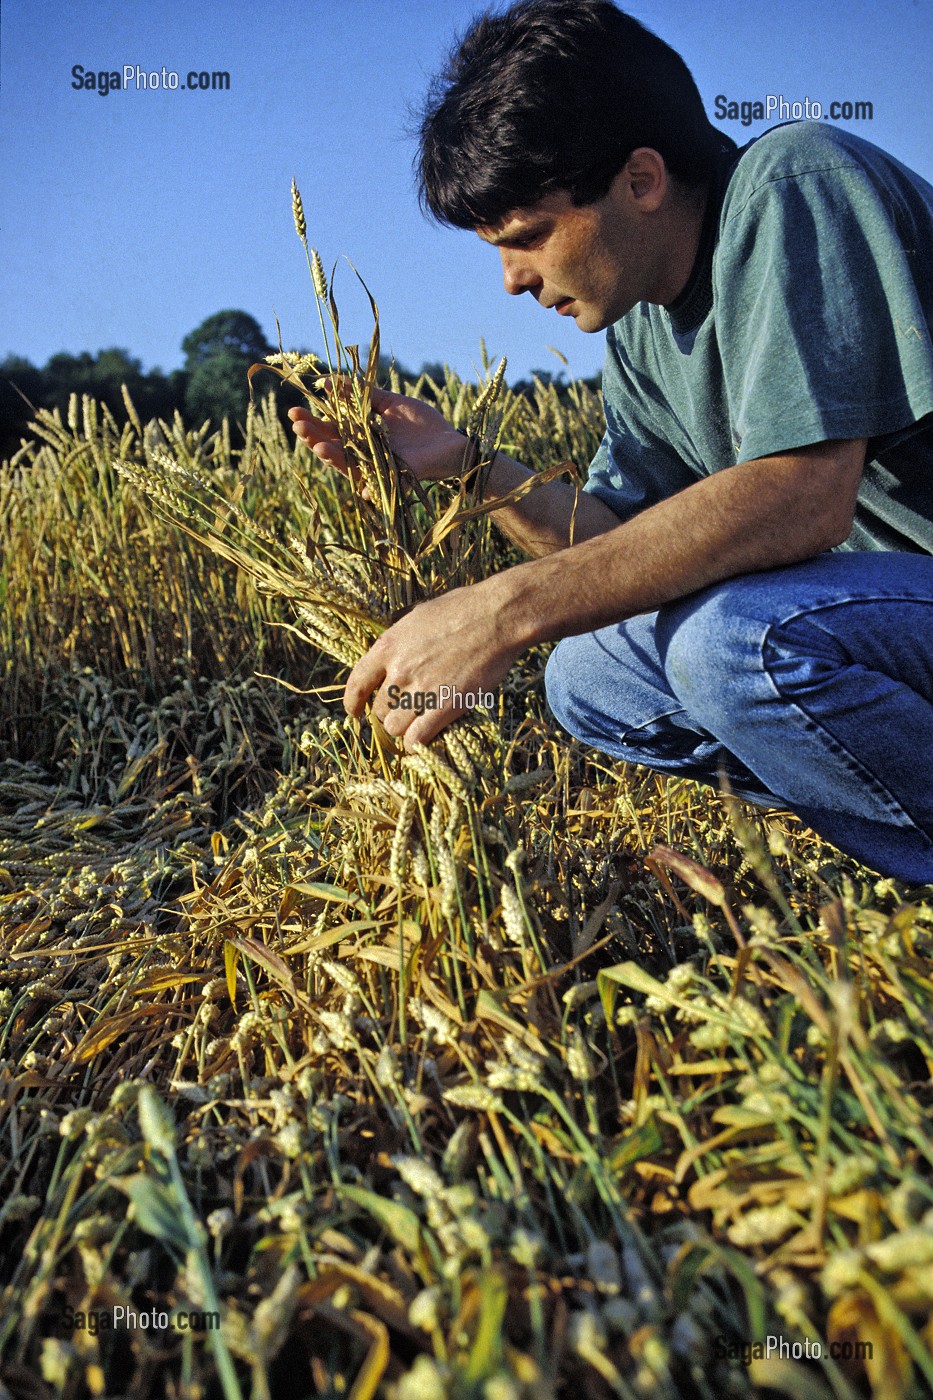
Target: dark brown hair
point(554, 95)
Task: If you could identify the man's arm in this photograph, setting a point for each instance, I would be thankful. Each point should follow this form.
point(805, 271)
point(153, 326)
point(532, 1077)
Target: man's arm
point(763, 514)
point(541, 522)
point(432, 451)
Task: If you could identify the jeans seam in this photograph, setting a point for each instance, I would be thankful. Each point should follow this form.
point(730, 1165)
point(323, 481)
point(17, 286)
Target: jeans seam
point(874, 597)
point(637, 728)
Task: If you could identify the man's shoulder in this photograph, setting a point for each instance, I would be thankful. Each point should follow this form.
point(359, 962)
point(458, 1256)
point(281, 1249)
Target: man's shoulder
point(789, 152)
point(796, 150)
point(799, 146)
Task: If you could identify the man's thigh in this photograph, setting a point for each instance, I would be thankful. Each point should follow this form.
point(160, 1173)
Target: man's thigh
point(610, 689)
point(868, 612)
point(848, 634)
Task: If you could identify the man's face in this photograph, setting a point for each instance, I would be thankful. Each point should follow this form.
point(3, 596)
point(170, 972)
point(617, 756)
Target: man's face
point(593, 262)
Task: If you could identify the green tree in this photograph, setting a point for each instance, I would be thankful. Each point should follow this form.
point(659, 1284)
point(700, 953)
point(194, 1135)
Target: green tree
point(155, 395)
point(218, 389)
point(218, 354)
point(99, 375)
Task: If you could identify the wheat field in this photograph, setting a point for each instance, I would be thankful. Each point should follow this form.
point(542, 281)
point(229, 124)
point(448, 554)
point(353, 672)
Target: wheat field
point(495, 1070)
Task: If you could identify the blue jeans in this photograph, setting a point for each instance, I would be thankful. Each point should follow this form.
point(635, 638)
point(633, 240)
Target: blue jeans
point(811, 687)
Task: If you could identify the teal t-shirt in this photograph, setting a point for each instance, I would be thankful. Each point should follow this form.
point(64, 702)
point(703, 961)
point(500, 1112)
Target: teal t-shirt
point(807, 316)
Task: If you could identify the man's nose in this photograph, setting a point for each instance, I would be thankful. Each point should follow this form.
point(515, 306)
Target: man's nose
point(516, 274)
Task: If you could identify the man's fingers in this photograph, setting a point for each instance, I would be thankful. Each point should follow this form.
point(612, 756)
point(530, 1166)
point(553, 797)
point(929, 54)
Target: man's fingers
point(341, 385)
point(382, 399)
point(394, 722)
point(330, 452)
point(301, 416)
point(327, 448)
point(411, 727)
point(322, 437)
point(311, 429)
point(379, 398)
point(367, 675)
point(334, 457)
point(427, 726)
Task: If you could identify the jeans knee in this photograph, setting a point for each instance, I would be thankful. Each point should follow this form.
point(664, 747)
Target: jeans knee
point(712, 657)
point(564, 683)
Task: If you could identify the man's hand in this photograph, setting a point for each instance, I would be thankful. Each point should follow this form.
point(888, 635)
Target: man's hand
point(425, 443)
point(460, 641)
point(763, 514)
point(421, 438)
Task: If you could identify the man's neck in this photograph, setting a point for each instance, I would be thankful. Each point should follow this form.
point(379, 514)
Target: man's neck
point(685, 229)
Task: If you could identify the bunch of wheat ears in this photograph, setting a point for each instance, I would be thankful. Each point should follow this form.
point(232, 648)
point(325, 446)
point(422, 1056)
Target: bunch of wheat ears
point(400, 543)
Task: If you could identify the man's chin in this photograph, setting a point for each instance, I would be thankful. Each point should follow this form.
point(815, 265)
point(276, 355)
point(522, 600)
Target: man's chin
point(602, 320)
point(591, 319)
point(591, 322)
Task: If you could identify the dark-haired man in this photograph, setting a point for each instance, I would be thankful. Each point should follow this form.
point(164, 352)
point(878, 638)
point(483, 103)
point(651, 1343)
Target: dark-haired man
point(749, 587)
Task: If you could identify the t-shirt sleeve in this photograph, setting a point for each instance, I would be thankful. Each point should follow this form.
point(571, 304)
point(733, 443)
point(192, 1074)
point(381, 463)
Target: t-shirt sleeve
point(822, 282)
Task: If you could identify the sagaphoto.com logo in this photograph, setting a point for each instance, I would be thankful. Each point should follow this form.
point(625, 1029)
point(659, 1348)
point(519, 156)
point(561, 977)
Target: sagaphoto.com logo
point(775, 107)
point(132, 77)
point(121, 1318)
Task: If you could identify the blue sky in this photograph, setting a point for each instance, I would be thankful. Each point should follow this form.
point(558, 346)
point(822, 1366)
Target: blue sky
point(129, 218)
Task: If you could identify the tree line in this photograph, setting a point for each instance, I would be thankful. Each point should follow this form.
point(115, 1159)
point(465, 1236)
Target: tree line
point(211, 383)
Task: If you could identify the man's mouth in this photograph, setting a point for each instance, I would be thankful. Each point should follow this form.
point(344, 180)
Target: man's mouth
point(562, 307)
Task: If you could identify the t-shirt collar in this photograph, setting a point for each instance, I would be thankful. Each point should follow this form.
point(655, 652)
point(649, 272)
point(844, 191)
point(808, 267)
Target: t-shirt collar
point(696, 300)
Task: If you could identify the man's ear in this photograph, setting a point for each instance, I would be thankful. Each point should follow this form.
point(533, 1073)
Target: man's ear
point(646, 178)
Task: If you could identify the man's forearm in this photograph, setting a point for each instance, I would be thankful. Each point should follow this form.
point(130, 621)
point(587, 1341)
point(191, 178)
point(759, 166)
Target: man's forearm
point(759, 515)
point(540, 522)
point(763, 514)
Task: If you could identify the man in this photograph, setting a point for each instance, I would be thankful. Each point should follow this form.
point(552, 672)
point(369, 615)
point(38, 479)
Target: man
point(749, 586)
